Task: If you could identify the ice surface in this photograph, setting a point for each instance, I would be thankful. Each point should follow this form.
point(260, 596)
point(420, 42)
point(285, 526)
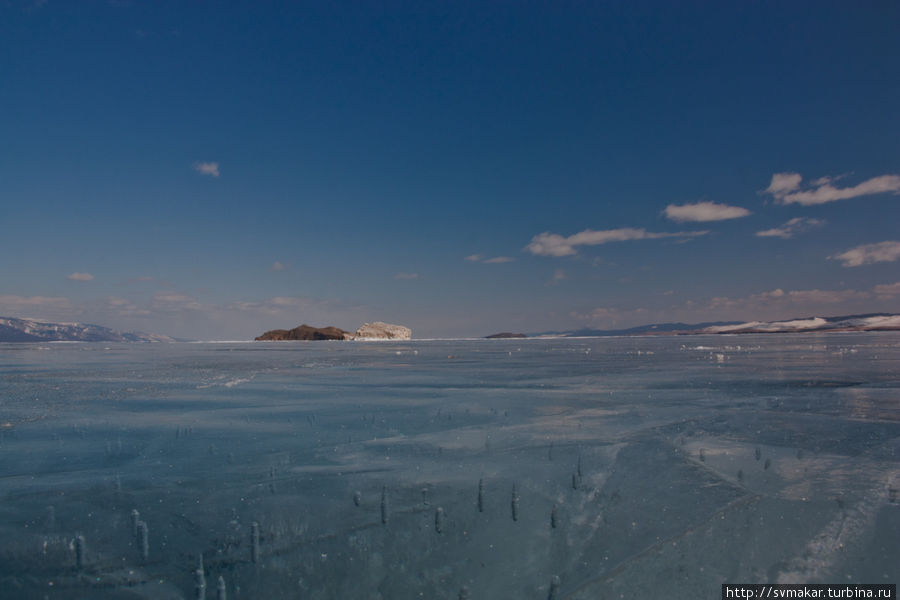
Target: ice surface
point(631, 465)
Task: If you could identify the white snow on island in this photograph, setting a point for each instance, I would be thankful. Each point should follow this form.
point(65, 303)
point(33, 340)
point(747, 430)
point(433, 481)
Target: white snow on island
point(382, 331)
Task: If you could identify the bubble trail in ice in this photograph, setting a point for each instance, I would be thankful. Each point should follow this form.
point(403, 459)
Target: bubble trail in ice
point(143, 540)
point(439, 520)
point(221, 594)
point(200, 581)
point(384, 505)
point(254, 542)
point(481, 495)
point(79, 551)
point(514, 503)
point(554, 588)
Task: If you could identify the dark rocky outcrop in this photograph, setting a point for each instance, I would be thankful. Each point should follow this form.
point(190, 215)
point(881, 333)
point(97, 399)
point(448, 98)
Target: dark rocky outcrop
point(505, 335)
point(304, 332)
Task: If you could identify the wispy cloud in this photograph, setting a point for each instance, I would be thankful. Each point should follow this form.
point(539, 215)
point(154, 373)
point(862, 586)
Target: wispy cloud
point(597, 315)
point(80, 277)
point(887, 290)
point(172, 301)
point(278, 266)
point(207, 168)
point(704, 212)
point(125, 308)
point(792, 227)
point(763, 301)
point(553, 244)
point(787, 188)
point(558, 275)
point(406, 276)
point(869, 253)
point(8, 301)
point(489, 261)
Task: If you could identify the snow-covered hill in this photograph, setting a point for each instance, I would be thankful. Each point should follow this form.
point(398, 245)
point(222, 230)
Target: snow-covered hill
point(877, 322)
point(34, 330)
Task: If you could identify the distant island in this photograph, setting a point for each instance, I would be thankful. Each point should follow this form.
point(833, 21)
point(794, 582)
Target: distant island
point(369, 331)
point(505, 336)
point(35, 330)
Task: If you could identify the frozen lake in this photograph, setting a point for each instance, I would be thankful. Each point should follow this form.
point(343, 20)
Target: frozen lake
point(486, 469)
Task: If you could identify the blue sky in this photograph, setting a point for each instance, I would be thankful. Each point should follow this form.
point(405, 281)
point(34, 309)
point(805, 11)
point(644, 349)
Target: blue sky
point(212, 170)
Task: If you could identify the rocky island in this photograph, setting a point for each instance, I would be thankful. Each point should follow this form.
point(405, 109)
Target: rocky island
point(304, 333)
point(369, 331)
point(505, 336)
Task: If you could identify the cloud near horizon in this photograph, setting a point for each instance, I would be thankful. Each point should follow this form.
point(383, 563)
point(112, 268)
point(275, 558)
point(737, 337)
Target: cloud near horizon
point(80, 277)
point(278, 266)
point(772, 305)
point(794, 226)
point(786, 189)
point(701, 212)
point(553, 244)
point(868, 254)
point(7, 300)
point(207, 168)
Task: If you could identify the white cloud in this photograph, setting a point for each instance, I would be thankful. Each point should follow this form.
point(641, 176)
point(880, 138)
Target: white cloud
point(558, 275)
point(80, 277)
point(473, 257)
point(704, 212)
point(278, 266)
point(869, 253)
point(207, 168)
point(794, 226)
point(553, 244)
point(406, 276)
point(786, 189)
point(784, 183)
